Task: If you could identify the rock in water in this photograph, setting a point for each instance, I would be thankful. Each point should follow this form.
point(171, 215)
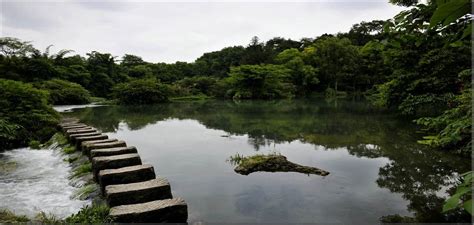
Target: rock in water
point(273, 163)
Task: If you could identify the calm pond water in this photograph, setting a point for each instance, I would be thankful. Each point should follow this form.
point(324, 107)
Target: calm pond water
point(376, 167)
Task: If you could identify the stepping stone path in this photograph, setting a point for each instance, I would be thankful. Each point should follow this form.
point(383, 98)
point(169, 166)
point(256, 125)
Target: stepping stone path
point(131, 188)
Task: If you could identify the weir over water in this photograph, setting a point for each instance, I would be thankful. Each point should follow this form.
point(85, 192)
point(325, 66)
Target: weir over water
point(131, 188)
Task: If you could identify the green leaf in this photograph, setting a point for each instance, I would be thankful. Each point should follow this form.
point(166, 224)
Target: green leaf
point(450, 12)
point(462, 190)
point(468, 206)
point(451, 203)
point(467, 31)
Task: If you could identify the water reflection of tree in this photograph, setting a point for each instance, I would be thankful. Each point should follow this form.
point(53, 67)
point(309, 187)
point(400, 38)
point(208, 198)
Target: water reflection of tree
point(415, 172)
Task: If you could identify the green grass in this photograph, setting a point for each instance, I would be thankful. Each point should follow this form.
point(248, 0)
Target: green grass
point(69, 149)
point(57, 138)
point(44, 218)
point(84, 192)
point(82, 170)
point(71, 159)
point(95, 214)
point(7, 216)
point(241, 160)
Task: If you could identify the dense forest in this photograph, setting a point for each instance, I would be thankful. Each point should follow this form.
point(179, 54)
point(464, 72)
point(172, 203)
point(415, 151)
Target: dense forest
point(417, 64)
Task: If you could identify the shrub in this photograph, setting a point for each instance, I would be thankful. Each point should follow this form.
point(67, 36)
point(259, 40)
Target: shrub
point(25, 114)
point(33, 144)
point(63, 92)
point(141, 91)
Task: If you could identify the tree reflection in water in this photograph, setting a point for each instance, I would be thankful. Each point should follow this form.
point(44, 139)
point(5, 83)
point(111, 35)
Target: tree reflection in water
point(421, 175)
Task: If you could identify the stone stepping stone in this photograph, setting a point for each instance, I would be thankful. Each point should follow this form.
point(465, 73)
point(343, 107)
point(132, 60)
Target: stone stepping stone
point(125, 175)
point(133, 193)
point(79, 140)
point(160, 211)
point(66, 121)
point(80, 130)
point(74, 136)
point(63, 125)
point(87, 143)
point(70, 124)
point(75, 127)
point(87, 149)
point(114, 162)
point(112, 151)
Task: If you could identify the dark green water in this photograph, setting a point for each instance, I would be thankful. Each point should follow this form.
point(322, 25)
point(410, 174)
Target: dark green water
point(376, 166)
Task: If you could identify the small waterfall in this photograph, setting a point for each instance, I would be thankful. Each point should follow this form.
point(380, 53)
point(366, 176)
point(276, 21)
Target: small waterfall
point(32, 181)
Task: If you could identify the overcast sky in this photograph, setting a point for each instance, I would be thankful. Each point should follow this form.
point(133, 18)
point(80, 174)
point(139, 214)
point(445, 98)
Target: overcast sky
point(179, 31)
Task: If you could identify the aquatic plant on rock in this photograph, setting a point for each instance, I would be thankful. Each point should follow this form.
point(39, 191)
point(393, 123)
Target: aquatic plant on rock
point(271, 163)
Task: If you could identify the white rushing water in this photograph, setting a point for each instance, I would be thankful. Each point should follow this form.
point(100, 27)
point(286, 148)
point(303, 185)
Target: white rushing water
point(35, 181)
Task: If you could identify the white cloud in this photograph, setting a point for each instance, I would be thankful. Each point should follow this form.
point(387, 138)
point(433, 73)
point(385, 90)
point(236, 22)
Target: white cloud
point(168, 32)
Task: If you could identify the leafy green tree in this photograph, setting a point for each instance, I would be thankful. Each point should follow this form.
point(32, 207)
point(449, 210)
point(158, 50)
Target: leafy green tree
point(140, 71)
point(303, 77)
point(276, 45)
point(63, 92)
point(335, 58)
point(260, 82)
point(10, 47)
point(197, 85)
point(254, 53)
point(104, 73)
point(132, 60)
point(25, 114)
point(363, 32)
point(217, 63)
point(141, 91)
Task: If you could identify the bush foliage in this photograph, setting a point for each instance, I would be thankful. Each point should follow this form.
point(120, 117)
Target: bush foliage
point(63, 92)
point(141, 91)
point(25, 114)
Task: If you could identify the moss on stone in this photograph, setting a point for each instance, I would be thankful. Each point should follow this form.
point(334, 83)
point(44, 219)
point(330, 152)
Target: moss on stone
point(271, 163)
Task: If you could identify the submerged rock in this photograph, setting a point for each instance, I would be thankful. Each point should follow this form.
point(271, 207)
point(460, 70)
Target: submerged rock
point(8, 166)
point(272, 163)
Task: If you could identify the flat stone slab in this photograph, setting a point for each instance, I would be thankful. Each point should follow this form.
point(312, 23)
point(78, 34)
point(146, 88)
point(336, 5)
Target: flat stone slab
point(125, 175)
point(85, 131)
point(87, 148)
point(84, 144)
point(133, 193)
point(88, 134)
point(112, 151)
point(73, 126)
point(69, 125)
point(114, 162)
point(160, 211)
point(79, 140)
point(80, 130)
point(72, 123)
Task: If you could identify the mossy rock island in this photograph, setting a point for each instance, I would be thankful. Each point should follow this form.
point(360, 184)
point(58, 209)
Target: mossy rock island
point(272, 163)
